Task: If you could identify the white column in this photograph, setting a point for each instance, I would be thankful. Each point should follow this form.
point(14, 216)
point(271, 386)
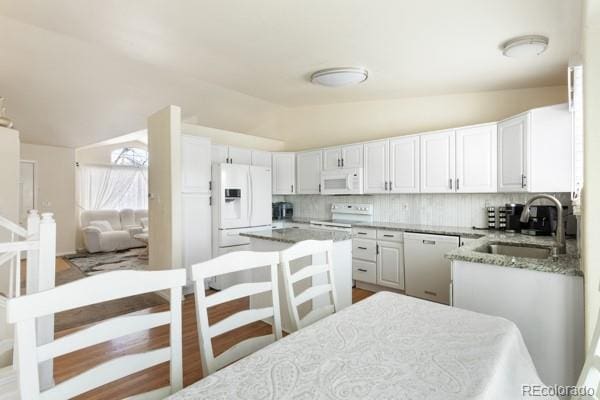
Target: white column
point(33, 230)
point(45, 280)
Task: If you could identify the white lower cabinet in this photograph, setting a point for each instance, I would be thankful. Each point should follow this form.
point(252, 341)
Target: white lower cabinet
point(364, 271)
point(376, 261)
point(390, 264)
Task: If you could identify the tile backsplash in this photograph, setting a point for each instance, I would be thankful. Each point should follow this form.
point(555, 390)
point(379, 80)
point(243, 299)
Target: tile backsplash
point(426, 209)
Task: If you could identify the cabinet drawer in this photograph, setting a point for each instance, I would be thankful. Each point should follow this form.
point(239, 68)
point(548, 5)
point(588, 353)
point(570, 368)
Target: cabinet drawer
point(390, 236)
point(364, 271)
point(364, 233)
point(364, 249)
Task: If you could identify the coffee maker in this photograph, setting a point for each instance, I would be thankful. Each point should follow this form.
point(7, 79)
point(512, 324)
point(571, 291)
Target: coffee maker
point(513, 218)
point(542, 221)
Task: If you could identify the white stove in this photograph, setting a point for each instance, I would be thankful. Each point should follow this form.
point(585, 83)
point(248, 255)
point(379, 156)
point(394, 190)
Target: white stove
point(343, 215)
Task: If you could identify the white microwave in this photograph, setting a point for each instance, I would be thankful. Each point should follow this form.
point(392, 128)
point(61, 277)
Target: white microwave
point(342, 181)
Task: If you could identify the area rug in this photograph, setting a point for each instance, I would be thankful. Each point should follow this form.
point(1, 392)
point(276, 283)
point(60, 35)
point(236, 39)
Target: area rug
point(94, 263)
point(82, 265)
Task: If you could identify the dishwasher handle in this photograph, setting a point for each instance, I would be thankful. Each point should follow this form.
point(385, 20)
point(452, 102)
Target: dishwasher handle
point(428, 241)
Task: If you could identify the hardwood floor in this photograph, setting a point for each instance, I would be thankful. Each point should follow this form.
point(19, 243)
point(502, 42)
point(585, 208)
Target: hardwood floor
point(76, 362)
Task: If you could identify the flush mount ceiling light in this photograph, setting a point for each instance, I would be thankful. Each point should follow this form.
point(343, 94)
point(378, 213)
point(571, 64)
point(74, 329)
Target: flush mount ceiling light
point(335, 77)
point(525, 46)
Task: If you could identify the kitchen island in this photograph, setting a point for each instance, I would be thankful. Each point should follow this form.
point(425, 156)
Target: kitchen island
point(279, 239)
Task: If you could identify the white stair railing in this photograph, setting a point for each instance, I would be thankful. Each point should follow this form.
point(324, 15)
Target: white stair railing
point(38, 241)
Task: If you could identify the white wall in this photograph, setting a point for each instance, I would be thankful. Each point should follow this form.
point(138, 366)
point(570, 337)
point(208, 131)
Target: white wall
point(591, 192)
point(56, 189)
point(324, 125)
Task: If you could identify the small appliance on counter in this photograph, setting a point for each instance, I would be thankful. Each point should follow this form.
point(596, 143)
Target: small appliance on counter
point(542, 221)
point(513, 217)
point(282, 210)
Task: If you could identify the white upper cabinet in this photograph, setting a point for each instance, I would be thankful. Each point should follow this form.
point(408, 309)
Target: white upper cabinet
point(261, 158)
point(549, 149)
point(350, 156)
point(195, 165)
point(219, 154)
point(332, 158)
point(512, 154)
point(404, 165)
point(308, 172)
point(476, 159)
point(238, 155)
point(376, 174)
point(437, 162)
point(284, 173)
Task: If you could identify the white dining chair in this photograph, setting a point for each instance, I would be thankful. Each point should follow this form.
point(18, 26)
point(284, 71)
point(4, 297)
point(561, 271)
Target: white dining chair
point(321, 250)
point(590, 373)
point(225, 264)
point(108, 286)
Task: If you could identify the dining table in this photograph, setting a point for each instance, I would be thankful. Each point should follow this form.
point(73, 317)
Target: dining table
point(387, 346)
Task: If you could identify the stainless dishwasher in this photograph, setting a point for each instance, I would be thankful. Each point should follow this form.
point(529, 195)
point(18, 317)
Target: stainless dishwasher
point(426, 270)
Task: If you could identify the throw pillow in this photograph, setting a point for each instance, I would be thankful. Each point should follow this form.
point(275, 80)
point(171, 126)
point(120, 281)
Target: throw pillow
point(104, 226)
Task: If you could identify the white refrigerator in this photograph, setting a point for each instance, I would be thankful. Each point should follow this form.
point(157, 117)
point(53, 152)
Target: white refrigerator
point(241, 203)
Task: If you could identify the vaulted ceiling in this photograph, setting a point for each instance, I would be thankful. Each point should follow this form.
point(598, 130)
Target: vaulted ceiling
point(75, 72)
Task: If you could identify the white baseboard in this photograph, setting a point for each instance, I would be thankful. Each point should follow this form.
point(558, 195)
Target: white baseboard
point(66, 253)
point(376, 288)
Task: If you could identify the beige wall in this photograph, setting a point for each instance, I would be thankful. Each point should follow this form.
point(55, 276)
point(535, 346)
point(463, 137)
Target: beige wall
point(591, 195)
point(164, 188)
point(9, 208)
point(219, 136)
point(101, 154)
point(56, 189)
point(317, 126)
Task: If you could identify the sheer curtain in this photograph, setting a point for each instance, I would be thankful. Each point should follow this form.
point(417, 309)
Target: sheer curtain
point(112, 187)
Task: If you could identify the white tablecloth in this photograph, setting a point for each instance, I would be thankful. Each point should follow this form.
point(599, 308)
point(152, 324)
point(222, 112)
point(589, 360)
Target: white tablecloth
point(388, 346)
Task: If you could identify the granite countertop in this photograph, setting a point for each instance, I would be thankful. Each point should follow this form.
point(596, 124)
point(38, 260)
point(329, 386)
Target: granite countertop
point(295, 235)
point(438, 230)
point(566, 264)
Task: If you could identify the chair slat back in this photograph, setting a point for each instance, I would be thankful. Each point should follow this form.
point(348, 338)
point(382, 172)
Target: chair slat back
point(24, 310)
point(313, 248)
point(228, 263)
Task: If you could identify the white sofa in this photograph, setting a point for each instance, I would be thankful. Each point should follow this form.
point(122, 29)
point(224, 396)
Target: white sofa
point(117, 234)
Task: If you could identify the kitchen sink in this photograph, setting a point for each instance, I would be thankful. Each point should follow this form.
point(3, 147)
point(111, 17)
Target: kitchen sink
point(516, 250)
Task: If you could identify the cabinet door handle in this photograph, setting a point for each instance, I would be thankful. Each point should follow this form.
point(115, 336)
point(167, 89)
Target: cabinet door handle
point(361, 233)
point(430, 293)
point(523, 181)
point(319, 188)
point(428, 241)
point(362, 248)
point(292, 188)
point(386, 185)
point(362, 270)
point(339, 163)
point(388, 235)
point(342, 162)
point(457, 183)
point(376, 249)
point(450, 183)
point(390, 185)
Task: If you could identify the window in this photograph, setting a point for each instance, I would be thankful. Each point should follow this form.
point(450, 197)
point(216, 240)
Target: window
point(131, 156)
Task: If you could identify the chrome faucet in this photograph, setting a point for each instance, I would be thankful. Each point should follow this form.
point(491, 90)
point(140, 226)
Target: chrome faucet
point(561, 247)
